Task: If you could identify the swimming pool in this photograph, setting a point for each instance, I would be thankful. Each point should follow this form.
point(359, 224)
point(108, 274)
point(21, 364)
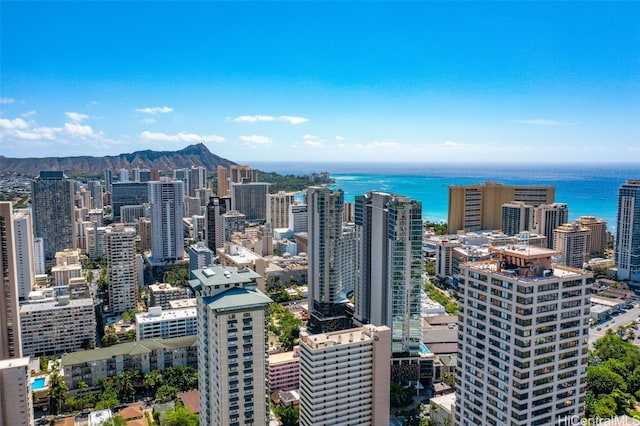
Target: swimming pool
point(38, 383)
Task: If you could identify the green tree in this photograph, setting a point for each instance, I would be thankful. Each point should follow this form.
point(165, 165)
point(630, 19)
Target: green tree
point(603, 381)
point(152, 380)
point(110, 339)
point(166, 393)
point(115, 421)
point(57, 388)
point(180, 416)
point(44, 364)
point(605, 407)
point(288, 416)
point(177, 277)
point(108, 398)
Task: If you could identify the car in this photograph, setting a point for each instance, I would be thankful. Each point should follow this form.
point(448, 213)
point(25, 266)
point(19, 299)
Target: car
point(599, 328)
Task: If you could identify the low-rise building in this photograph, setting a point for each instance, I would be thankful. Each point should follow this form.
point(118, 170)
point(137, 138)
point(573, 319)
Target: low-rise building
point(166, 324)
point(144, 356)
point(284, 370)
point(162, 294)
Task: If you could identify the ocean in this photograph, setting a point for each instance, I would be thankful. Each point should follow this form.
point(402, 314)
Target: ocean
point(587, 189)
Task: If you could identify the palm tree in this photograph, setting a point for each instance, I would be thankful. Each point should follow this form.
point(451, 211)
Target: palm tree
point(152, 380)
point(57, 388)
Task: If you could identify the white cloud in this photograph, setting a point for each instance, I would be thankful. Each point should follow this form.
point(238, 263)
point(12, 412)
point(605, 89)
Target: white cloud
point(155, 110)
point(542, 122)
point(253, 118)
point(313, 141)
point(268, 118)
point(16, 123)
point(37, 133)
point(29, 113)
point(180, 137)
point(7, 101)
point(75, 129)
point(76, 116)
point(451, 143)
point(340, 138)
point(149, 120)
point(256, 139)
point(385, 144)
point(292, 119)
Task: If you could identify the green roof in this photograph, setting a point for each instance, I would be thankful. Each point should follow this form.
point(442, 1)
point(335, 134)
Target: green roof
point(129, 348)
point(236, 298)
point(220, 275)
point(448, 360)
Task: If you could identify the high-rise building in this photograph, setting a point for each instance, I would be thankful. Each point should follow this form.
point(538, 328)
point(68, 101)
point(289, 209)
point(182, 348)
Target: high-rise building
point(10, 337)
point(548, 217)
point(250, 199)
point(52, 205)
point(232, 222)
point(347, 253)
point(123, 175)
point(215, 234)
point(232, 347)
point(108, 180)
point(278, 209)
point(223, 182)
point(598, 240)
point(128, 194)
point(196, 179)
point(345, 377)
point(390, 267)
point(478, 207)
point(95, 189)
point(522, 339)
point(516, 217)
point(298, 218)
point(243, 174)
point(25, 256)
point(38, 252)
point(200, 256)
point(627, 251)
point(167, 205)
point(96, 242)
point(121, 268)
point(572, 242)
point(326, 296)
point(16, 400)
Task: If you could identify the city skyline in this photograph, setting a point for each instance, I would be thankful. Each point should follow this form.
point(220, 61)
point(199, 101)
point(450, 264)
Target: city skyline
point(357, 81)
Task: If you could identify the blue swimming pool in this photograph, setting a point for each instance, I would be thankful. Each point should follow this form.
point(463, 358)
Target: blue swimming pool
point(38, 383)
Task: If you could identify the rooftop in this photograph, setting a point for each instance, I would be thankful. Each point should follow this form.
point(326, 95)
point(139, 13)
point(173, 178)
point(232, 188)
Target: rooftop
point(236, 297)
point(222, 275)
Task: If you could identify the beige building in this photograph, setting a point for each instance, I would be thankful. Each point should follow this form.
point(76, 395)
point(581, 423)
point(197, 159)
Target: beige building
point(223, 181)
point(522, 347)
point(122, 271)
point(278, 209)
point(16, 406)
point(598, 240)
point(67, 267)
point(572, 241)
point(345, 377)
point(476, 207)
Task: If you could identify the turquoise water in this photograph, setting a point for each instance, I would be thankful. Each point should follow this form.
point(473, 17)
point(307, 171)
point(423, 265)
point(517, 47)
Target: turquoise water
point(587, 189)
point(37, 383)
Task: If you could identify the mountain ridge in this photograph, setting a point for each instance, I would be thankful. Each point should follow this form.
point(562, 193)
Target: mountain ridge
point(165, 161)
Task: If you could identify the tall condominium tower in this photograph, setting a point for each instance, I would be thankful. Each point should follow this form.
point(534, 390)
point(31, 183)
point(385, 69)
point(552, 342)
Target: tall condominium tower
point(516, 217)
point(123, 175)
point(128, 194)
point(10, 339)
point(599, 240)
point(223, 181)
point(16, 399)
point(522, 340)
point(108, 180)
point(197, 179)
point(326, 297)
point(214, 222)
point(548, 217)
point(278, 209)
point(232, 347)
point(477, 207)
point(627, 252)
point(95, 189)
point(298, 218)
point(572, 241)
point(250, 199)
point(25, 255)
point(52, 205)
point(121, 268)
point(166, 197)
point(389, 278)
point(345, 377)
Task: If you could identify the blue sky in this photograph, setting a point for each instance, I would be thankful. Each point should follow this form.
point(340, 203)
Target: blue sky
point(331, 81)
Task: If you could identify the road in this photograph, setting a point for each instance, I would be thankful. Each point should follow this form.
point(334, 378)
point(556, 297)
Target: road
point(613, 323)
